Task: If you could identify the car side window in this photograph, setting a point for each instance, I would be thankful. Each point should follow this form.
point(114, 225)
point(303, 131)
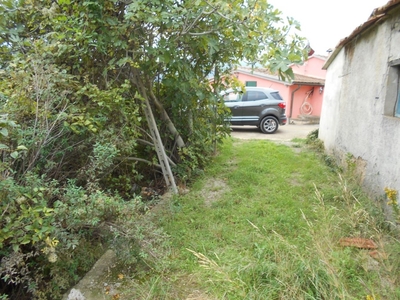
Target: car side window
point(233, 97)
point(255, 95)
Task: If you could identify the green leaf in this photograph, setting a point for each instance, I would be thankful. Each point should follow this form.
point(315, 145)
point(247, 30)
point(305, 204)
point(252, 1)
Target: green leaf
point(14, 154)
point(294, 57)
point(4, 131)
point(123, 61)
point(61, 2)
point(25, 241)
point(28, 227)
point(111, 21)
point(3, 147)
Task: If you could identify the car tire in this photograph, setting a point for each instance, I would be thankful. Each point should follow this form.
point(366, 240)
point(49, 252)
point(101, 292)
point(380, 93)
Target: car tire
point(269, 125)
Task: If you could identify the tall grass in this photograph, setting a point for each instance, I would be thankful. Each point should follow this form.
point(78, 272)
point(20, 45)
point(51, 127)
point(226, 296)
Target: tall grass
point(264, 222)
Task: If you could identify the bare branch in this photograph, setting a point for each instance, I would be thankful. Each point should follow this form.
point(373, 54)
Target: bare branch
point(140, 159)
point(201, 33)
point(152, 145)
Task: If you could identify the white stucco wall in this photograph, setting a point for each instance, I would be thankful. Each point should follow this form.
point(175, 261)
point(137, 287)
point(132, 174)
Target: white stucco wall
point(352, 118)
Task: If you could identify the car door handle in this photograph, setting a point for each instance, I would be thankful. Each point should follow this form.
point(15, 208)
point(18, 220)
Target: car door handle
point(236, 107)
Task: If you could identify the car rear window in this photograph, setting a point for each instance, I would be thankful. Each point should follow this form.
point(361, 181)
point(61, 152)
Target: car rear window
point(276, 95)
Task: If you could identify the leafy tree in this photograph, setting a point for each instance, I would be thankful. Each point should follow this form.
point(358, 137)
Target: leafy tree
point(164, 50)
point(97, 91)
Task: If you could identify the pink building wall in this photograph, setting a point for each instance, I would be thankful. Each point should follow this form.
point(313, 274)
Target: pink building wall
point(312, 68)
point(301, 96)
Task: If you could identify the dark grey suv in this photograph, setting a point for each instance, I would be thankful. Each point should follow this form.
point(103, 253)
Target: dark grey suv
point(259, 106)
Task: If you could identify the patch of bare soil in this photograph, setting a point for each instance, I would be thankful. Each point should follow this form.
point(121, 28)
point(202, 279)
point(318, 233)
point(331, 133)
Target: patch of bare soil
point(197, 295)
point(213, 190)
point(293, 180)
point(293, 145)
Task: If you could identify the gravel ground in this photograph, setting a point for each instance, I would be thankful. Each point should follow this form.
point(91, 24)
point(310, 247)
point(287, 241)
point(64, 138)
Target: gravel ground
point(284, 133)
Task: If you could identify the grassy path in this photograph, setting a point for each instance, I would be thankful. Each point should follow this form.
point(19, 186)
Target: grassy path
point(264, 222)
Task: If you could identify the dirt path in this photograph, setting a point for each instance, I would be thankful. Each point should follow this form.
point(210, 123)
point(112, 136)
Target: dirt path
point(285, 133)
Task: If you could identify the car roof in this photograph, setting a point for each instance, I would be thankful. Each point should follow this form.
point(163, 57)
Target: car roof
point(253, 88)
point(259, 88)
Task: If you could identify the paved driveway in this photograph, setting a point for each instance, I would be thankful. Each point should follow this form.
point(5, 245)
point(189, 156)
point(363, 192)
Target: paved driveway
point(284, 133)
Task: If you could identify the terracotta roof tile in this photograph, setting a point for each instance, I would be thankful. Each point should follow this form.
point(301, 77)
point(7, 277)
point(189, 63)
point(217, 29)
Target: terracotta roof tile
point(298, 79)
point(307, 80)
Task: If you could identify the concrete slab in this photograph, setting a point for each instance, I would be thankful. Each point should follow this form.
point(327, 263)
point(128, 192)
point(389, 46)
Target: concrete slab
point(92, 286)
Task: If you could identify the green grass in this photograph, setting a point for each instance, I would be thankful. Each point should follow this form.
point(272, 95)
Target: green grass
point(264, 222)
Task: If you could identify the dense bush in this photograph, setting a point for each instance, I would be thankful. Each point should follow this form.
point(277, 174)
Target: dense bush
point(57, 160)
point(98, 99)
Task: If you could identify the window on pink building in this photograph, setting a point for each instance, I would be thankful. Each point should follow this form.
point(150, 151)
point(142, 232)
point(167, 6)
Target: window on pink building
point(251, 83)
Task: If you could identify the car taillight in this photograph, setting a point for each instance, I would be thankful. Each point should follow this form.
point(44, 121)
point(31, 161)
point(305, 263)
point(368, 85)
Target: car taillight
point(282, 105)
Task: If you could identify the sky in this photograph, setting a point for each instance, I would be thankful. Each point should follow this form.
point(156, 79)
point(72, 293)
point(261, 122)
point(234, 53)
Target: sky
point(325, 22)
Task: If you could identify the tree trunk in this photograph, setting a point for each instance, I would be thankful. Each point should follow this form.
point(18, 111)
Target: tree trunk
point(190, 121)
point(171, 127)
point(155, 134)
point(162, 156)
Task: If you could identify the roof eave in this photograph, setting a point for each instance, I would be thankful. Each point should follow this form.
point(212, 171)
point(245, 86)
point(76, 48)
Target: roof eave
point(276, 79)
point(378, 14)
point(359, 30)
point(308, 83)
point(260, 75)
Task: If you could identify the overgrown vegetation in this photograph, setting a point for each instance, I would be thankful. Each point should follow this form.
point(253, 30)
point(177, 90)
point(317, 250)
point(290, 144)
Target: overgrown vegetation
point(100, 100)
point(272, 225)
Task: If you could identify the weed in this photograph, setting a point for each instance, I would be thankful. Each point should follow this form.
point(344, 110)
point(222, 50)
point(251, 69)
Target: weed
point(330, 162)
point(313, 135)
point(392, 201)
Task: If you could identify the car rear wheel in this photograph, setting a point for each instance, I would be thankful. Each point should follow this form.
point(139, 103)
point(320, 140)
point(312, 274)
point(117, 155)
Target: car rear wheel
point(269, 125)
